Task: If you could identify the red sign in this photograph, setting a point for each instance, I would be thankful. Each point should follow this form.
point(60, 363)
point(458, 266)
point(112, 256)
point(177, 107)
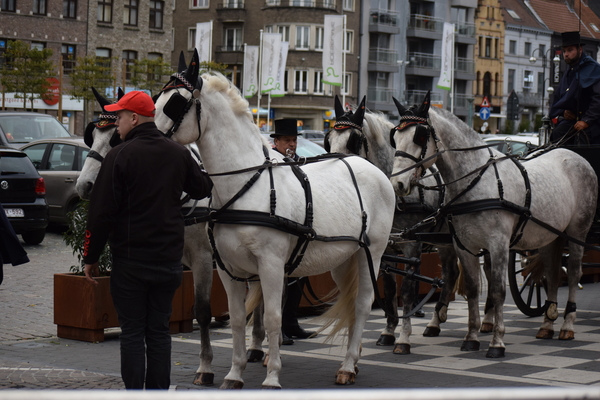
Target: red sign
point(485, 102)
point(53, 92)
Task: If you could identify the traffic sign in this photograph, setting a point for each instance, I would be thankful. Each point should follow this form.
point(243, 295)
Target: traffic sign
point(484, 113)
point(485, 102)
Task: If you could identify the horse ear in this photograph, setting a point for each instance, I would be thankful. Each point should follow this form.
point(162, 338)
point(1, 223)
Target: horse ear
point(101, 100)
point(120, 93)
point(193, 69)
point(400, 107)
point(360, 112)
point(182, 64)
point(339, 109)
point(424, 108)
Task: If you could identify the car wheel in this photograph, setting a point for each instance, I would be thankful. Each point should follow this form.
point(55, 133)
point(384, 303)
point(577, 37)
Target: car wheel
point(34, 237)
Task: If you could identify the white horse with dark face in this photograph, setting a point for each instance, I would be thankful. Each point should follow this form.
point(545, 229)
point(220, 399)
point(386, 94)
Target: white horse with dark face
point(366, 134)
point(101, 136)
point(347, 209)
point(495, 204)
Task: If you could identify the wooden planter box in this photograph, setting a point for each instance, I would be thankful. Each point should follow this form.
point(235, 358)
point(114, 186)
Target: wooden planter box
point(82, 310)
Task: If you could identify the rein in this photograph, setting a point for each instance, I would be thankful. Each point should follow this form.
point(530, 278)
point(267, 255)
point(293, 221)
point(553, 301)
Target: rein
point(177, 118)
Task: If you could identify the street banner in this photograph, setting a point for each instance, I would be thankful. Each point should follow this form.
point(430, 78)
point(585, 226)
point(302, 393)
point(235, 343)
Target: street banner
point(271, 52)
point(204, 41)
point(333, 44)
point(251, 54)
point(279, 90)
point(445, 81)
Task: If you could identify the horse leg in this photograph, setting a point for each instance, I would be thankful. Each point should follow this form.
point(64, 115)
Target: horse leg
point(567, 330)
point(387, 337)
point(497, 294)
point(488, 318)
point(236, 293)
point(273, 287)
point(471, 276)
point(255, 352)
point(449, 276)
point(549, 261)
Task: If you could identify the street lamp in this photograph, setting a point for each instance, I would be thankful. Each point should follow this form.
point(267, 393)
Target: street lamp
point(545, 57)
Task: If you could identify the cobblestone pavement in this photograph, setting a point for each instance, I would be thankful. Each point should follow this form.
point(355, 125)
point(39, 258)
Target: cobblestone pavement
point(32, 357)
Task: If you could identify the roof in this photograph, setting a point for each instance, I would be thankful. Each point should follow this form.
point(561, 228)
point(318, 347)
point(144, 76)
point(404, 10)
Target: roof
point(515, 13)
point(558, 16)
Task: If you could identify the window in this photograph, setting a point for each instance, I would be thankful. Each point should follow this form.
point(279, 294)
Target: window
point(488, 48)
point(198, 3)
point(37, 46)
point(273, 2)
point(487, 85)
point(39, 7)
point(527, 49)
point(156, 14)
point(496, 47)
point(348, 5)
point(130, 12)
point(8, 5)
point(302, 37)
point(302, 3)
point(233, 39)
point(68, 52)
point(285, 33)
point(320, 33)
point(348, 43)
point(3, 47)
point(191, 38)
point(103, 57)
point(129, 56)
point(105, 11)
point(511, 80)
point(69, 8)
point(512, 47)
point(527, 80)
point(319, 86)
point(154, 72)
point(347, 84)
point(301, 82)
point(233, 4)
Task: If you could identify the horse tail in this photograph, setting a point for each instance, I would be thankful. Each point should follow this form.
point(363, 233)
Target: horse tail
point(253, 299)
point(342, 312)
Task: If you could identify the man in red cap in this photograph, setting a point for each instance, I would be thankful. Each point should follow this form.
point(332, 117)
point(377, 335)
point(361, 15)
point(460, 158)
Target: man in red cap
point(135, 206)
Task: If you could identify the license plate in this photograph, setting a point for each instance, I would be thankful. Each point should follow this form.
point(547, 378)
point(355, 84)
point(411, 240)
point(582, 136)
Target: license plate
point(14, 212)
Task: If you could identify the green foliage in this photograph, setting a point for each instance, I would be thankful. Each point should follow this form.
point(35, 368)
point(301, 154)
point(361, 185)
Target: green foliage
point(150, 75)
point(509, 127)
point(26, 71)
point(89, 71)
point(75, 238)
point(524, 125)
point(538, 123)
point(212, 66)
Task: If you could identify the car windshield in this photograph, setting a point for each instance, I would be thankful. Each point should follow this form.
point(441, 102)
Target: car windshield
point(25, 128)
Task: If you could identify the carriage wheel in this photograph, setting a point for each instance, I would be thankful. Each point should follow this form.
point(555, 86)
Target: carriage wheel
point(529, 296)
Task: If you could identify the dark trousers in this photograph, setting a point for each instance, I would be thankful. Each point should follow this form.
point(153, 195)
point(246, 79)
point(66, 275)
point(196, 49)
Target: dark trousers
point(142, 293)
point(289, 318)
point(584, 137)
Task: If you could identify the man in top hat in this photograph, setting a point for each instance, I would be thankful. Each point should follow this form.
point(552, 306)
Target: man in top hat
point(576, 108)
point(285, 140)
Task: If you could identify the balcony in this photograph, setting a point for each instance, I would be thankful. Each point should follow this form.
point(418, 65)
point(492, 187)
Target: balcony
point(417, 96)
point(231, 4)
point(465, 33)
point(380, 98)
point(324, 4)
point(424, 64)
point(231, 10)
point(528, 99)
point(384, 21)
point(383, 60)
point(230, 54)
point(464, 69)
point(425, 26)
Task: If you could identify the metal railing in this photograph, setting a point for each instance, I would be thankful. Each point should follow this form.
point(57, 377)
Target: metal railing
point(384, 17)
point(417, 96)
point(426, 22)
point(424, 60)
point(232, 4)
point(383, 56)
point(464, 65)
point(465, 29)
point(380, 94)
point(230, 48)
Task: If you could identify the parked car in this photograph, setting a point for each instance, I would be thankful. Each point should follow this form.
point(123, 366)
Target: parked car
point(305, 147)
point(514, 144)
point(20, 127)
point(59, 161)
point(22, 194)
point(317, 137)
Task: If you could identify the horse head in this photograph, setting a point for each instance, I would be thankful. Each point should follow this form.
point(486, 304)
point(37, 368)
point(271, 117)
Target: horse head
point(414, 140)
point(100, 136)
point(347, 134)
point(179, 100)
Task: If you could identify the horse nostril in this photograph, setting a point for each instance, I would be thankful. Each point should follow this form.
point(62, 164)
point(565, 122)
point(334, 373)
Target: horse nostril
point(400, 187)
point(88, 187)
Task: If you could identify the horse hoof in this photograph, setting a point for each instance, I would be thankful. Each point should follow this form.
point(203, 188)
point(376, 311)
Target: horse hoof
point(544, 333)
point(386, 340)
point(486, 327)
point(345, 378)
point(470, 345)
point(566, 335)
point(231, 384)
point(432, 331)
point(255, 355)
point(402, 348)
point(495, 352)
point(204, 379)
point(270, 387)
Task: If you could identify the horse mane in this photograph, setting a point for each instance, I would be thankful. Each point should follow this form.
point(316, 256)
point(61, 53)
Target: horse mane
point(450, 121)
point(376, 128)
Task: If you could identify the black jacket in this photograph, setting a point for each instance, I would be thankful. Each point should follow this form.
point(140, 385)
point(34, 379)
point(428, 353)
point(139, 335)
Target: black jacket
point(136, 202)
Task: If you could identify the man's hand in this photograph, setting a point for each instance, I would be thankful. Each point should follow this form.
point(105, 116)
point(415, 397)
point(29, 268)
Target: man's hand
point(580, 125)
point(91, 270)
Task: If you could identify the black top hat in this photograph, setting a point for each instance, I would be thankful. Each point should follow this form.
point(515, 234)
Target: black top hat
point(571, 39)
point(286, 127)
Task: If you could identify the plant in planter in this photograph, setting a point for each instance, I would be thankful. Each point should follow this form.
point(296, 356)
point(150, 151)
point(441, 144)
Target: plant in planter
point(83, 310)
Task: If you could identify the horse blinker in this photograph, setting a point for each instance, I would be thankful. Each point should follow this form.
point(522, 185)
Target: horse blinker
point(115, 139)
point(421, 135)
point(175, 106)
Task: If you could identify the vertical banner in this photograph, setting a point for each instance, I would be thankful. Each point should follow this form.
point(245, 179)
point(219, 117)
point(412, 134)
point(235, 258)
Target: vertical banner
point(251, 54)
point(204, 40)
point(445, 81)
point(279, 90)
point(271, 52)
point(333, 43)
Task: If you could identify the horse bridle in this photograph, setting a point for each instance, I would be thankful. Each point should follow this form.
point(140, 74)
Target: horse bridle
point(421, 136)
point(356, 141)
point(105, 121)
point(177, 106)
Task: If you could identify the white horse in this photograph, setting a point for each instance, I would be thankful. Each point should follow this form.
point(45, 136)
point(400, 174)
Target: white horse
point(351, 202)
point(556, 188)
point(101, 136)
point(366, 134)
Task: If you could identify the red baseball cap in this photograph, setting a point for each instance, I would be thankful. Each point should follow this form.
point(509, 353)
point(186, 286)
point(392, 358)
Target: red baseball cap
point(135, 101)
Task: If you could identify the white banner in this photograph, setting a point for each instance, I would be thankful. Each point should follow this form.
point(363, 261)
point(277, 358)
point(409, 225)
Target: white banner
point(204, 40)
point(251, 54)
point(445, 81)
point(10, 101)
point(333, 44)
point(279, 90)
point(271, 53)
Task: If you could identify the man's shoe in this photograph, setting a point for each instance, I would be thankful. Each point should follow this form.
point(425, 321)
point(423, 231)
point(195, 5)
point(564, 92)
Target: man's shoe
point(419, 313)
point(287, 341)
point(299, 333)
